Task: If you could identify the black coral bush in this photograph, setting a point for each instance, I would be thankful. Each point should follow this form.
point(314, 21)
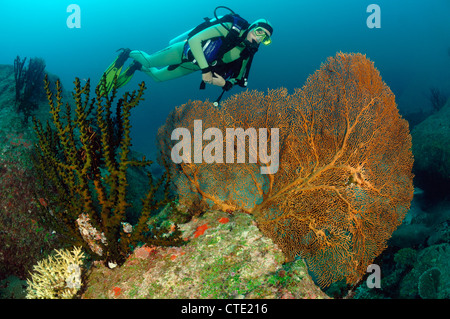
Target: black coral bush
point(83, 160)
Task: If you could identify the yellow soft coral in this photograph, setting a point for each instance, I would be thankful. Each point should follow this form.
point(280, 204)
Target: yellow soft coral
point(58, 276)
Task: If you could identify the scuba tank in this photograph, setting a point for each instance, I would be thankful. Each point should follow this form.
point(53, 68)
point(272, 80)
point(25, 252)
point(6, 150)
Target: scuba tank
point(186, 35)
point(219, 46)
point(206, 24)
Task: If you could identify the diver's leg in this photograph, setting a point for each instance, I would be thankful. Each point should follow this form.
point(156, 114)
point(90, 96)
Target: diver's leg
point(126, 75)
point(168, 56)
point(167, 73)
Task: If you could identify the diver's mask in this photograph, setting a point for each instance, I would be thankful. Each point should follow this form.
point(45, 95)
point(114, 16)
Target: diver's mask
point(261, 34)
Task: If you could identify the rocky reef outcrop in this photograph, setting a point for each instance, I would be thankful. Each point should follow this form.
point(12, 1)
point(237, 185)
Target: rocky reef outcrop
point(225, 256)
point(431, 149)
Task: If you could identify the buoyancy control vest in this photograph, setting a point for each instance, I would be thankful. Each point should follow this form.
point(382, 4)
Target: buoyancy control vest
point(215, 48)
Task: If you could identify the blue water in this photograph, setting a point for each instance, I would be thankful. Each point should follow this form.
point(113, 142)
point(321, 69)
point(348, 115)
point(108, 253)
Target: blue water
point(410, 49)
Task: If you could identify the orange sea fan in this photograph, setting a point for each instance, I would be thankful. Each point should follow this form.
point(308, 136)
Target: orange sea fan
point(344, 181)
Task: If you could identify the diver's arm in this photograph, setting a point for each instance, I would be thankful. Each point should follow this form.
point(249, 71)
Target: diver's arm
point(228, 84)
point(241, 73)
point(216, 79)
point(195, 43)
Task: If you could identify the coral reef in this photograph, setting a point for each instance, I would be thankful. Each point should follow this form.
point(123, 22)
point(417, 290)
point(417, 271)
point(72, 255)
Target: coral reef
point(13, 288)
point(19, 76)
point(225, 256)
point(430, 275)
point(344, 181)
point(405, 257)
point(429, 283)
point(23, 234)
point(437, 99)
point(431, 140)
point(419, 244)
point(21, 227)
point(29, 85)
point(84, 161)
point(58, 276)
point(416, 117)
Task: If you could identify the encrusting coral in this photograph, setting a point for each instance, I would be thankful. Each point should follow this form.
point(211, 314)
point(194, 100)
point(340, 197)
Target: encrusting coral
point(344, 180)
point(83, 161)
point(58, 276)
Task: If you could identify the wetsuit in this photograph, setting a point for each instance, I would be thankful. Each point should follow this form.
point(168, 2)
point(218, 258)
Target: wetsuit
point(175, 61)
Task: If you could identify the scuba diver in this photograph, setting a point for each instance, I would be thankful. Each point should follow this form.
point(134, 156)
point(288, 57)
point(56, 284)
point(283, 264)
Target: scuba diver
point(222, 48)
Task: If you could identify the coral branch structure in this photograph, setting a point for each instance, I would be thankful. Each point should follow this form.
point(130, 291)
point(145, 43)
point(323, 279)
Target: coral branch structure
point(58, 276)
point(344, 181)
point(83, 160)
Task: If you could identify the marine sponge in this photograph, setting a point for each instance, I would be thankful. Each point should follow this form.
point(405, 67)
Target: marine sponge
point(58, 276)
